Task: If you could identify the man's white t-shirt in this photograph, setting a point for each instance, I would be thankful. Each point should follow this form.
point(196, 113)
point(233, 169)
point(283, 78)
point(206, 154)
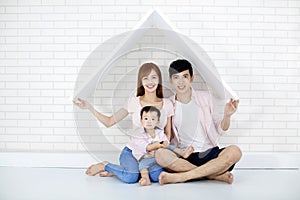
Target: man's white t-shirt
point(190, 131)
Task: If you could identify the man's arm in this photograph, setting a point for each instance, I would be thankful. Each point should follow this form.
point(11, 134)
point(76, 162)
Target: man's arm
point(225, 123)
point(230, 109)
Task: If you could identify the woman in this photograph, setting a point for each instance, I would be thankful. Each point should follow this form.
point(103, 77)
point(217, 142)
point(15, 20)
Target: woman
point(149, 93)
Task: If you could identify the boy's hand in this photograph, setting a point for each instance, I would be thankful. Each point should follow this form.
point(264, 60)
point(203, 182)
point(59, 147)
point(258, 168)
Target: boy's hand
point(159, 145)
point(165, 144)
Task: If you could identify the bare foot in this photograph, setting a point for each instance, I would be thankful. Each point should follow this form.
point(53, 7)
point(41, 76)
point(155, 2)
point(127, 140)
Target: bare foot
point(226, 177)
point(188, 152)
point(144, 182)
point(96, 168)
point(106, 174)
point(165, 178)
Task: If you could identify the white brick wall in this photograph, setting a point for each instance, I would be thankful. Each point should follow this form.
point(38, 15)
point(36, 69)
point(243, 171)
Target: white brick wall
point(255, 46)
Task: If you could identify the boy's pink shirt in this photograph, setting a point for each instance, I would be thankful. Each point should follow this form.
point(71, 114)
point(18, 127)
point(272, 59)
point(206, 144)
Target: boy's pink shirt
point(133, 106)
point(141, 139)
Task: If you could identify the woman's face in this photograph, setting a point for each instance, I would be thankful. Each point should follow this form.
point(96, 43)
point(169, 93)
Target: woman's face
point(151, 81)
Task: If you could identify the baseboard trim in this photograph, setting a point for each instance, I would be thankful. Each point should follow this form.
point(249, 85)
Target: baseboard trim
point(82, 160)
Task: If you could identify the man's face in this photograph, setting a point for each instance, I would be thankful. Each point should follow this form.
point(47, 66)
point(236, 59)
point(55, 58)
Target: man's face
point(182, 81)
point(149, 120)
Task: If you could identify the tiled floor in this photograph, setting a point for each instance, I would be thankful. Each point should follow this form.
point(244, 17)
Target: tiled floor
point(24, 183)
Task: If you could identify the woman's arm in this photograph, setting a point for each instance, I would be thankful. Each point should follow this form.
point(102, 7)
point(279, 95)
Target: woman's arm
point(168, 127)
point(107, 121)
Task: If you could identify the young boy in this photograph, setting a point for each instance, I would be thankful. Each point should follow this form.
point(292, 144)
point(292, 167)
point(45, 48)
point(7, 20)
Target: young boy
point(148, 141)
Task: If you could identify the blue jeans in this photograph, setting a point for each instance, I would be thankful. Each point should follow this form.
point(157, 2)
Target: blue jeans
point(128, 170)
point(153, 168)
point(171, 147)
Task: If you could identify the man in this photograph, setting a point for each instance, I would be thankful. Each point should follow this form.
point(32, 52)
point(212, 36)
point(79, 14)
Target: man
point(194, 123)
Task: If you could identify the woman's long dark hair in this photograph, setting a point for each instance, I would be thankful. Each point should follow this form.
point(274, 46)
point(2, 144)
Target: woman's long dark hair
point(145, 70)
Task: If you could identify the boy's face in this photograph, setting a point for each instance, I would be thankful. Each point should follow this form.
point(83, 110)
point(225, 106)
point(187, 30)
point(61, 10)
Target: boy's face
point(182, 81)
point(149, 120)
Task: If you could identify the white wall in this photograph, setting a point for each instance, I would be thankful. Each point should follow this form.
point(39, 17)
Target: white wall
point(44, 43)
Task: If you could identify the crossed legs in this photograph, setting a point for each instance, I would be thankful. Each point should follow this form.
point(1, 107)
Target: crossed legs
point(215, 169)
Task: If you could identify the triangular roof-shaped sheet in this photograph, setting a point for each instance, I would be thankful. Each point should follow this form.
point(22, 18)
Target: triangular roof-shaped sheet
point(186, 48)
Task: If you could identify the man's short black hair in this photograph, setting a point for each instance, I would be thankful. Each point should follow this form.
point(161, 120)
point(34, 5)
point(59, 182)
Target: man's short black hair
point(180, 65)
point(147, 109)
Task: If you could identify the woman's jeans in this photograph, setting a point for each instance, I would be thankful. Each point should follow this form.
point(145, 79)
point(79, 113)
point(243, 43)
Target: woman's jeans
point(128, 170)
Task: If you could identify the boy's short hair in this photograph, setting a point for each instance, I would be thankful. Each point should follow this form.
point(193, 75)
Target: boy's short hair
point(180, 65)
point(147, 109)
